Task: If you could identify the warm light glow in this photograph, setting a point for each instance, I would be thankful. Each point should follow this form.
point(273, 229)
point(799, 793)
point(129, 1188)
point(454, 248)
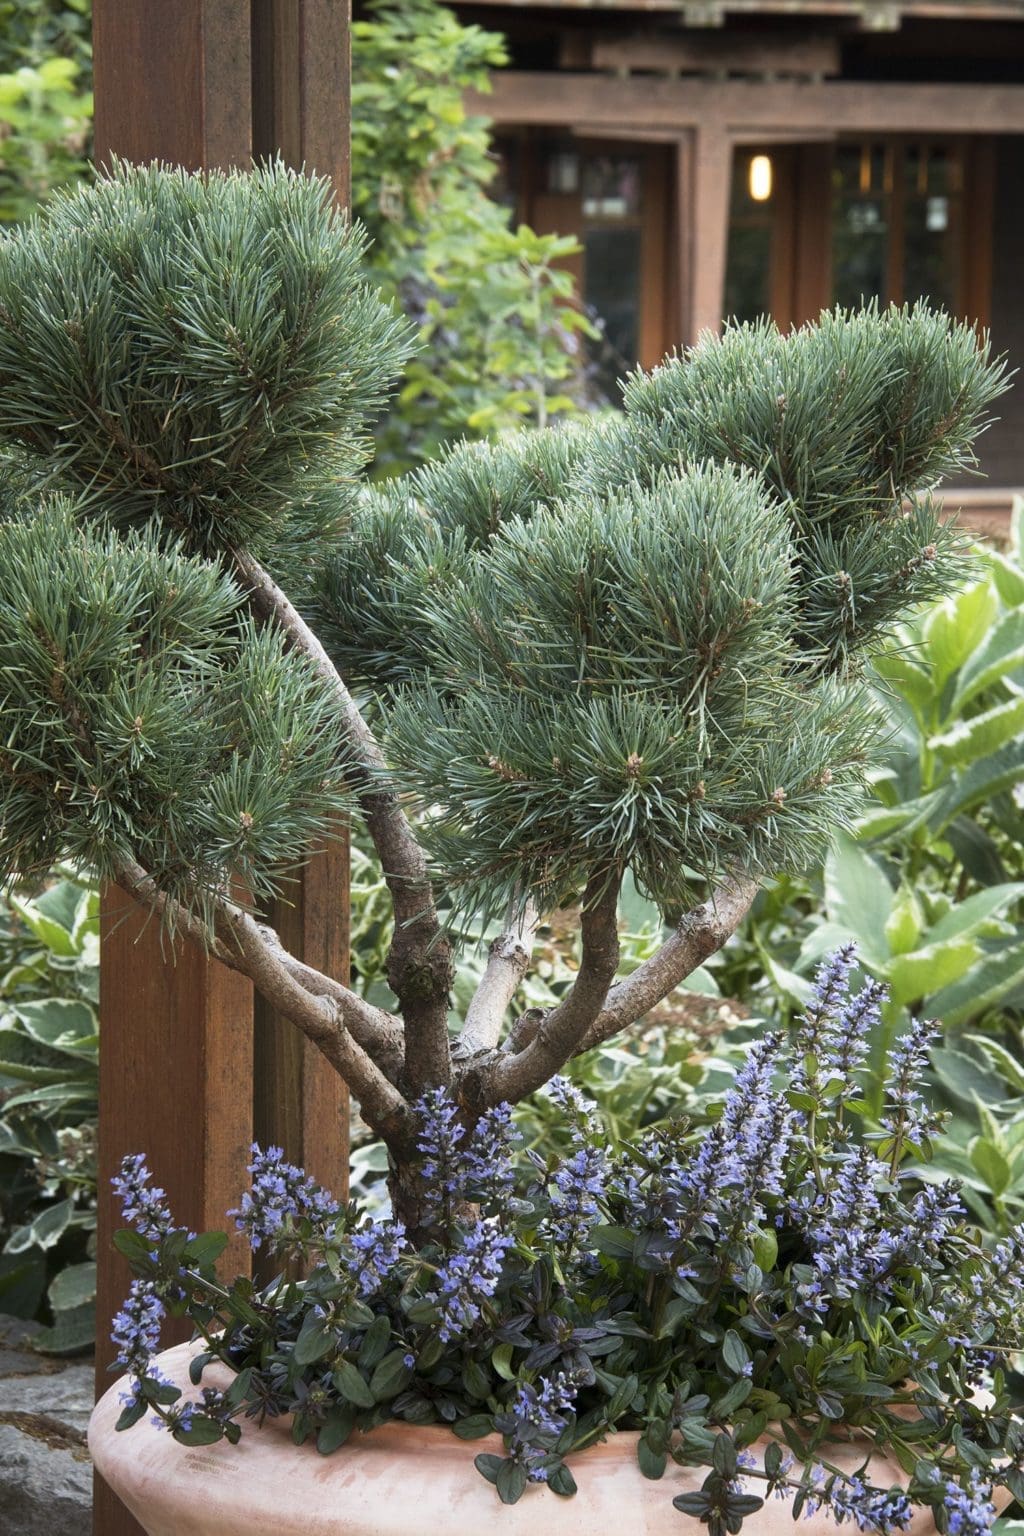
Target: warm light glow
point(760, 182)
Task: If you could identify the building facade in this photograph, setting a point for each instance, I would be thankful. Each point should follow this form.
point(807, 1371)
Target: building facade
point(738, 157)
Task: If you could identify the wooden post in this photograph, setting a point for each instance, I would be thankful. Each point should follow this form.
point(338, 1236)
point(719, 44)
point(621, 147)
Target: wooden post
point(300, 76)
point(204, 84)
point(299, 1103)
point(703, 186)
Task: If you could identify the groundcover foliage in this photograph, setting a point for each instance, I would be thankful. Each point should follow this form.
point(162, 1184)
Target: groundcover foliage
point(776, 1274)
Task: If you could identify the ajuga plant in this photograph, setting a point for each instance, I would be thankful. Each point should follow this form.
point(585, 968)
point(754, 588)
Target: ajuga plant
point(731, 1294)
point(624, 649)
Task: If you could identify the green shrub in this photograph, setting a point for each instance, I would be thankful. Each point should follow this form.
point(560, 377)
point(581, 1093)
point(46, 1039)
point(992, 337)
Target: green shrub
point(49, 1041)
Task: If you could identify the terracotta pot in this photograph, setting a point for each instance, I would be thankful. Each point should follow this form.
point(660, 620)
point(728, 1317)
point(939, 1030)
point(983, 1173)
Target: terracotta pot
point(399, 1481)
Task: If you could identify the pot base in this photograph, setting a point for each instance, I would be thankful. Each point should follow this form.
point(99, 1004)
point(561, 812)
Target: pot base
point(400, 1480)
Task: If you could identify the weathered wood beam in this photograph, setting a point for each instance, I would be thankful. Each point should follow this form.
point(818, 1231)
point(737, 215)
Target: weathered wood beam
point(299, 1104)
point(717, 12)
point(301, 70)
point(586, 101)
point(703, 213)
point(159, 73)
point(745, 53)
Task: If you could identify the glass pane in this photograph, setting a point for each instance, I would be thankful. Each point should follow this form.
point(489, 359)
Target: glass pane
point(612, 292)
point(931, 224)
point(860, 224)
point(611, 187)
point(748, 272)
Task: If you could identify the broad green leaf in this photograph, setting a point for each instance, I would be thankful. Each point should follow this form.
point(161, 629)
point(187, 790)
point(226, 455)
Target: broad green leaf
point(314, 1341)
point(928, 970)
point(22, 1283)
point(858, 898)
point(955, 628)
point(55, 935)
point(1001, 653)
point(1004, 1062)
point(914, 682)
point(990, 1163)
point(965, 1078)
point(798, 988)
point(968, 915)
point(652, 1463)
point(1008, 579)
point(511, 1481)
point(968, 740)
point(981, 782)
point(72, 1331)
point(976, 851)
point(45, 1231)
point(58, 1093)
point(883, 820)
point(983, 987)
point(73, 1287)
point(333, 1434)
point(352, 1386)
point(734, 1352)
point(62, 1023)
point(375, 1342)
point(905, 922)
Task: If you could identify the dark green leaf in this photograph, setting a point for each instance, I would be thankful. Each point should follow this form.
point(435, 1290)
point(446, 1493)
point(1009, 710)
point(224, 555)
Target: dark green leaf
point(511, 1481)
point(390, 1376)
point(352, 1386)
point(202, 1431)
point(375, 1342)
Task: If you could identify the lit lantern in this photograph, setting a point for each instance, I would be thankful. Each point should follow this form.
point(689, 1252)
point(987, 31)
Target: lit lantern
point(760, 178)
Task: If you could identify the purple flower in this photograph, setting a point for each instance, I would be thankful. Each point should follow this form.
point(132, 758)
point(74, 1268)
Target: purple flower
point(829, 991)
point(841, 1225)
point(578, 1182)
point(999, 1288)
point(136, 1329)
point(469, 1277)
point(742, 1156)
point(377, 1249)
point(534, 1421)
point(969, 1511)
point(442, 1168)
point(871, 1509)
point(907, 1115)
point(487, 1158)
point(280, 1193)
point(578, 1111)
point(847, 1033)
point(144, 1208)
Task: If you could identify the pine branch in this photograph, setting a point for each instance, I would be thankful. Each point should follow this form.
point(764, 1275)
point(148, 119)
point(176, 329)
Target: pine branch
point(563, 1030)
point(507, 963)
point(699, 934)
point(322, 1021)
point(420, 969)
point(356, 1038)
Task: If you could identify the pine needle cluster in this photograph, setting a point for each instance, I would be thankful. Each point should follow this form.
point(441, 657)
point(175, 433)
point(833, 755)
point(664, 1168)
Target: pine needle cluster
point(615, 685)
point(637, 644)
point(146, 721)
point(627, 645)
point(199, 349)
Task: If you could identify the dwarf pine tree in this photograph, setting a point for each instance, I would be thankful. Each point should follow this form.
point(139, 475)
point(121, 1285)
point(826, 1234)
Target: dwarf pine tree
point(627, 647)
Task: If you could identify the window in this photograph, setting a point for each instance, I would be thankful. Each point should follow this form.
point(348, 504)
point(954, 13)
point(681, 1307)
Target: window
point(897, 222)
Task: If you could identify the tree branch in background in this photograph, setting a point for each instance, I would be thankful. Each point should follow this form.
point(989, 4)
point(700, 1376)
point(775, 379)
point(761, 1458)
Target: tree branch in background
point(507, 964)
point(699, 934)
point(420, 968)
point(360, 1041)
point(562, 1030)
